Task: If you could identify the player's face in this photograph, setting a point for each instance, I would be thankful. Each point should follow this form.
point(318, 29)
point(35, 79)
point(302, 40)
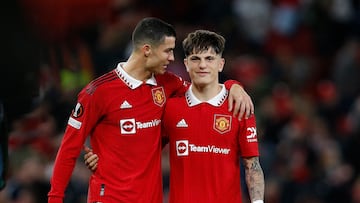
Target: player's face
point(161, 56)
point(204, 67)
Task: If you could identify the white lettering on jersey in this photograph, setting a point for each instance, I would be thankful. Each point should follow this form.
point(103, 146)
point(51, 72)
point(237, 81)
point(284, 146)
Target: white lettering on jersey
point(149, 124)
point(183, 148)
point(129, 126)
point(209, 149)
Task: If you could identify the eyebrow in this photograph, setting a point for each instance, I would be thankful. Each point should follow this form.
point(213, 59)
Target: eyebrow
point(206, 57)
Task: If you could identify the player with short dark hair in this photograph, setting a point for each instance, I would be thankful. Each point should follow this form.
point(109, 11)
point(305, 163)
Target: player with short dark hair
point(206, 141)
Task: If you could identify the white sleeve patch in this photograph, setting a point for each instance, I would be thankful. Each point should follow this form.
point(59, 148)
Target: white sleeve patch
point(74, 123)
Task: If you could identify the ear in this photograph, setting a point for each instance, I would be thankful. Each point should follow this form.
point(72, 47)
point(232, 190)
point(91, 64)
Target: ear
point(222, 63)
point(146, 49)
point(186, 65)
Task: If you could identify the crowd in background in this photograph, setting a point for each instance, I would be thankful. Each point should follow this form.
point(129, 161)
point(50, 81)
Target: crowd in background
point(298, 59)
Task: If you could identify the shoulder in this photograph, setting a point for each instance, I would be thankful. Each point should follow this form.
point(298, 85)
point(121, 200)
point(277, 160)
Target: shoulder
point(168, 77)
point(176, 100)
point(100, 82)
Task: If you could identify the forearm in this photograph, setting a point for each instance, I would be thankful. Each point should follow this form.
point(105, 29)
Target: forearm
point(254, 177)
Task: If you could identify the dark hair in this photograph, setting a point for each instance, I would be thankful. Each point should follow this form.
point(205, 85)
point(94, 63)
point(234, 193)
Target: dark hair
point(152, 31)
point(202, 40)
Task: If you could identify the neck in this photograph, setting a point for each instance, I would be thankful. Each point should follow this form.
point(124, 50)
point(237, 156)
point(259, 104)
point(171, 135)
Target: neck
point(135, 67)
point(205, 92)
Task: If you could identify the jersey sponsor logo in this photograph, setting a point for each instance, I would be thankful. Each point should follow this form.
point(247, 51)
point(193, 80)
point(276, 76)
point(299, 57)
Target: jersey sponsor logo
point(129, 126)
point(252, 136)
point(222, 123)
point(158, 96)
point(78, 110)
point(183, 148)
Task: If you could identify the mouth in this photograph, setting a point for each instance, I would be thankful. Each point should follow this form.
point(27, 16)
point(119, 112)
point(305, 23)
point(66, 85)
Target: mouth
point(202, 73)
point(165, 66)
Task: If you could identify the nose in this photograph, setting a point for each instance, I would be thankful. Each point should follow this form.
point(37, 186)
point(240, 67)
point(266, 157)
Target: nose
point(171, 57)
point(202, 63)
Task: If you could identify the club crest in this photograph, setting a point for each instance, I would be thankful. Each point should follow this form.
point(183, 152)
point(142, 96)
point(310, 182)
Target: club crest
point(158, 96)
point(222, 123)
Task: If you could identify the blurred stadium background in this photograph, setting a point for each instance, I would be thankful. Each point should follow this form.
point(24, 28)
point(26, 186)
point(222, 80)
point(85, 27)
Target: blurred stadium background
point(298, 59)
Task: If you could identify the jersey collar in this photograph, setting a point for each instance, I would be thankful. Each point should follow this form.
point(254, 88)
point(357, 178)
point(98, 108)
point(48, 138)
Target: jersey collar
point(130, 81)
point(218, 100)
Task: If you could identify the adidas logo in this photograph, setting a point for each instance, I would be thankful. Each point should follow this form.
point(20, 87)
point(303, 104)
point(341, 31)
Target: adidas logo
point(125, 105)
point(182, 124)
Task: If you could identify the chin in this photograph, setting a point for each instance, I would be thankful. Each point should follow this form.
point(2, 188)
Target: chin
point(161, 71)
point(200, 83)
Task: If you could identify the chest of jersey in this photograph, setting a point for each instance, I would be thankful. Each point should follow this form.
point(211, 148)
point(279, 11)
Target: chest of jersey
point(133, 111)
point(201, 130)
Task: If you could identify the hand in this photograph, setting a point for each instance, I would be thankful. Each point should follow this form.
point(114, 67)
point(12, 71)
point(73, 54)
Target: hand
point(240, 102)
point(91, 159)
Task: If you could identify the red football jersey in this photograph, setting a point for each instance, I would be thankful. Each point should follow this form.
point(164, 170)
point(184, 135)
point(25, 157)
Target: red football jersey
point(206, 143)
point(122, 116)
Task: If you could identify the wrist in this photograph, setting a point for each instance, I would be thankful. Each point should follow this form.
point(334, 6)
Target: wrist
point(258, 201)
point(230, 83)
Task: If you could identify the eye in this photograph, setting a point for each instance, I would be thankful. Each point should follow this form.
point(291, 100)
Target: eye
point(194, 59)
point(210, 58)
point(169, 51)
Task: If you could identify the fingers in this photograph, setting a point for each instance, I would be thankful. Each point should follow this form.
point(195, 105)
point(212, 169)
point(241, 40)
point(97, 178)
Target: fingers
point(231, 101)
point(246, 109)
point(92, 166)
point(241, 107)
point(91, 160)
point(87, 155)
point(237, 108)
point(251, 108)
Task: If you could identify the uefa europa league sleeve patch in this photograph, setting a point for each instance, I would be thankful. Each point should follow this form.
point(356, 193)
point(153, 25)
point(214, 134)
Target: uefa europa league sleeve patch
point(78, 111)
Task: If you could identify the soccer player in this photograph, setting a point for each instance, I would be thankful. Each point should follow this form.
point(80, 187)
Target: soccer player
point(206, 141)
point(121, 112)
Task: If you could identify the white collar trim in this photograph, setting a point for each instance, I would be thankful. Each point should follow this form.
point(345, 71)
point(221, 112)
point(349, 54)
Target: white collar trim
point(132, 82)
point(218, 100)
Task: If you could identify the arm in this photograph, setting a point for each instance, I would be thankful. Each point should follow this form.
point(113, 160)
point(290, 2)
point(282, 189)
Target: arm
point(80, 123)
point(64, 164)
point(239, 101)
point(254, 178)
